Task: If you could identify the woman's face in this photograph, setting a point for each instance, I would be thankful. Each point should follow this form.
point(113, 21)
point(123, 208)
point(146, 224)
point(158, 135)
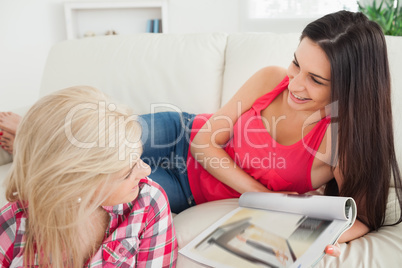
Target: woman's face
point(126, 189)
point(309, 78)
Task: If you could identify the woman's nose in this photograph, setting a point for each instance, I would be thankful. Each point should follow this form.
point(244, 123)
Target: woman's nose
point(145, 168)
point(296, 83)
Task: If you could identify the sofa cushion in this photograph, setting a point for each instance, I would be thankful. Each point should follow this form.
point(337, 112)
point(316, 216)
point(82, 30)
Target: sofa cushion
point(4, 169)
point(394, 45)
point(173, 72)
point(193, 221)
point(5, 157)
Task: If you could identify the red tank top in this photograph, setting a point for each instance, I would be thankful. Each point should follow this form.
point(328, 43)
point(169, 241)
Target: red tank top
point(278, 167)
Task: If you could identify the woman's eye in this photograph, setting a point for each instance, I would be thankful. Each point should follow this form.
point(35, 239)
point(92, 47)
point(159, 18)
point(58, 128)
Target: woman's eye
point(295, 63)
point(128, 175)
point(131, 171)
point(316, 81)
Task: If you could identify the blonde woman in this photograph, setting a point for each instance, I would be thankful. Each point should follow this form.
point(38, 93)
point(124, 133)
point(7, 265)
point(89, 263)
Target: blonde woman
point(78, 192)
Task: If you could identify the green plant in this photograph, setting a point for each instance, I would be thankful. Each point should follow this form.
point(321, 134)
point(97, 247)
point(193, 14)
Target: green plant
point(388, 16)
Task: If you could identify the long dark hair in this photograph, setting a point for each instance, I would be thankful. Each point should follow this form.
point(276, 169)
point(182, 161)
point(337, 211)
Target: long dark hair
point(361, 87)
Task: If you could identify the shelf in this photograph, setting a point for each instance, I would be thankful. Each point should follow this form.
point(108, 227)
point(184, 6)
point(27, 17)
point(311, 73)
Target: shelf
point(83, 18)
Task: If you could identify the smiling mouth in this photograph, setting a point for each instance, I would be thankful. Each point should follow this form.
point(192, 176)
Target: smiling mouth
point(298, 97)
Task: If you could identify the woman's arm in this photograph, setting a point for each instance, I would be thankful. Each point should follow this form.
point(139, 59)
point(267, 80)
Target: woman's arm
point(358, 229)
point(8, 233)
point(207, 145)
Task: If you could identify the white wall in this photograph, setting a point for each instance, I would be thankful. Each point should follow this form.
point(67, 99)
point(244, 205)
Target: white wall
point(186, 16)
point(28, 29)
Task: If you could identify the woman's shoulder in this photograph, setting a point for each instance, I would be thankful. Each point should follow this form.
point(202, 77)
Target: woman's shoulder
point(272, 75)
point(11, 210)
point(151, 199)
point(12, 216)
point(261, 82)
point(274, 71)
point(147, 185)
point(151, 192)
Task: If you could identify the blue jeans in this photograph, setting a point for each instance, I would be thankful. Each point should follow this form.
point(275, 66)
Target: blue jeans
point(165, 139)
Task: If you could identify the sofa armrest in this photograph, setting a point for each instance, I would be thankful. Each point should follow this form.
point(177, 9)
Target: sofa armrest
point(5, 157)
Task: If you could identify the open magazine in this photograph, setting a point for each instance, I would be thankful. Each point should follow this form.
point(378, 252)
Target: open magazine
point(274, 230)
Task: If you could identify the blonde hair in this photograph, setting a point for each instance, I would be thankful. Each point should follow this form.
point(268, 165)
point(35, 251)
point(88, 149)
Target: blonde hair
point(67, 147)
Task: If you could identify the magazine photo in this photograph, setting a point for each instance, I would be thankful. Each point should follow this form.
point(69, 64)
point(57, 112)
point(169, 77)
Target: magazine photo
point(273, 230)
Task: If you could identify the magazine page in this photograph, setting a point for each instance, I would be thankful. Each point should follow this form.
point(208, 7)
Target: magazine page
point(316, 206)
point(249, 237)
point(258, 238)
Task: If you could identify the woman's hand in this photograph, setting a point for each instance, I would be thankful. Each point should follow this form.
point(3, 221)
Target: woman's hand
point(333, 250)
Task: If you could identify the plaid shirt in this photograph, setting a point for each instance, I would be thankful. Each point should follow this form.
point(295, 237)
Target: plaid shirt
point(140, 233)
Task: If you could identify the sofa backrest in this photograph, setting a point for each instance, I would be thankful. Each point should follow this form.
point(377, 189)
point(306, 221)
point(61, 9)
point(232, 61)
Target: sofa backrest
point(191, 72)
point(148, 72)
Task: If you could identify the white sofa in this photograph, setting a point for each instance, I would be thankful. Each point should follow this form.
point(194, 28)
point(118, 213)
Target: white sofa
point(198, 73)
